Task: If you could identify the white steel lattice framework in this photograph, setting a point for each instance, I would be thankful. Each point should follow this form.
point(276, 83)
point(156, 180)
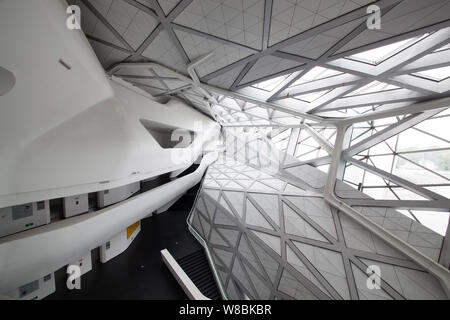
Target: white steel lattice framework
point(369, 107)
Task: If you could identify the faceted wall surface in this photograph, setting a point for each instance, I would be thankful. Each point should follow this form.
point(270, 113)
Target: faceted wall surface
point(271, 235)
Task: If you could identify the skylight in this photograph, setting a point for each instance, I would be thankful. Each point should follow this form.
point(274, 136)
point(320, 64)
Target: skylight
point(271, 84)
point(437, 74)
point(446, 47)
point(374, 86)
point(316, 73)
point(311, 97)
point(381, 54)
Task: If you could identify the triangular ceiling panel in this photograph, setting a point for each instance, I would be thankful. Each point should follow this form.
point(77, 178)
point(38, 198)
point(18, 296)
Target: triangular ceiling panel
point(132, 24)
point(223, 54)
point(108, 56)
point(409, 15)
point(315, 46)
point(269, 66)
point(227, 79)
point(164, 51)
point(166, 5)
point(237, 21)
point(290, 18)
point(92, 26)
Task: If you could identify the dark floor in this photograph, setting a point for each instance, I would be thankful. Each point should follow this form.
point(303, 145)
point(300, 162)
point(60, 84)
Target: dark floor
point(139, 272)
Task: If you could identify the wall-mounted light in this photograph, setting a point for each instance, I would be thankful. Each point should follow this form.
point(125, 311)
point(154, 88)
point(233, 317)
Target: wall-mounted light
point(7, 81)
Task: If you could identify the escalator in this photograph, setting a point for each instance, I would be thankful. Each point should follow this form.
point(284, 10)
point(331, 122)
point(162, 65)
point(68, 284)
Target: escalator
point(197, 268)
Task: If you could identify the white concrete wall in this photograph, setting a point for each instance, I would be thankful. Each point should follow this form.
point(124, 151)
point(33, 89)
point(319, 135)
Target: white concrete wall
point(101, 148)
point(118, 244)
point(108, 197)
point(68, 132)
point(32, 254)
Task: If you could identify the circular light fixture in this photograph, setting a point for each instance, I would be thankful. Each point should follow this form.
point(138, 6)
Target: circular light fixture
point(7, 81)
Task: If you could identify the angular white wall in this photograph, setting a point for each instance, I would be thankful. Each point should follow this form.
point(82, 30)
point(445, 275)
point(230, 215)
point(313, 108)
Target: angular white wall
point(67, 132)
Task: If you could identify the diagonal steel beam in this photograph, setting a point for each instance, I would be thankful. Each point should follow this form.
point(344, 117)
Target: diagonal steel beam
point(166, 23)
point(361, 28)
point(392, 112)
point(105, 22)
point(434, 205)
point(267, 19)
point(242, 74)
point(142, 7)
point(391, 131)
point(152, 36)
point(351, 16)
point(209, 36)
point(395, 179)
point(412, 53)
point(265, 43)
point(108, 44)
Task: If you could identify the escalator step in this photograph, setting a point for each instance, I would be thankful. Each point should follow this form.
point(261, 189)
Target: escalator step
point(187, 259)
point(197, 268)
